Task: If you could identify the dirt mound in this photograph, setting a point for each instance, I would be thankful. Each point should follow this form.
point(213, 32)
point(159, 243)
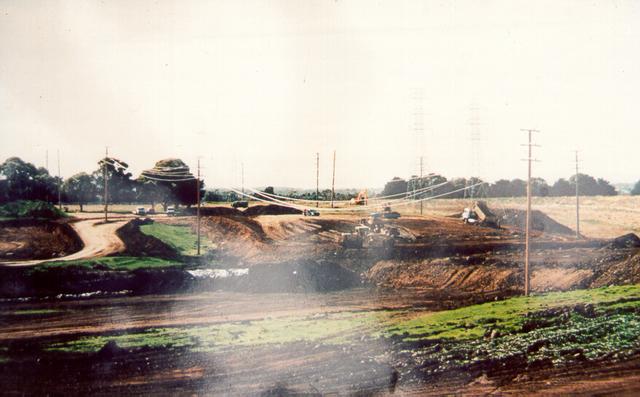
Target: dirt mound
point(214, 211)
point(238, 236)
point(303, 276)
point(539, 221)
point(270, 209)
point(37, 239)
point(444, 274)
point(626, 241)
point(624, 272)
point(140, 244)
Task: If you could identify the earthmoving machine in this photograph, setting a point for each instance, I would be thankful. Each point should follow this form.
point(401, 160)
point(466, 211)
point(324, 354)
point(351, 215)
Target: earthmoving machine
point(382, 237)
point(361, 199)
point(480, 214)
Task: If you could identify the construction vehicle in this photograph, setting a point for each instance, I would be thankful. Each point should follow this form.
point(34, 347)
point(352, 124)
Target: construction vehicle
point(361, 199)
point(366, 237)
point(480, 214)
point(240, 204)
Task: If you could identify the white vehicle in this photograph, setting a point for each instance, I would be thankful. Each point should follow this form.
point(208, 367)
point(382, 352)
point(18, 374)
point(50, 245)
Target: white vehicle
point(140, 211)
point(171, 211)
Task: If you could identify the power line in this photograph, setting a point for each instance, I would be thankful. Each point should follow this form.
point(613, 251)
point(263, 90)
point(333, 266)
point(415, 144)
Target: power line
point(198, 210)
point(529, 159)
point(59, 182)
point(333, 180)
point(104, 176)
point(577, 200)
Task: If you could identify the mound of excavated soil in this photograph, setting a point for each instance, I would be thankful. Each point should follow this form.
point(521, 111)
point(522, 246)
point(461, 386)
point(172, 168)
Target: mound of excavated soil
point(270, 209)
point(303, 276)
point(235, 235)
point(444, 274)
point(37, 239)
point(626, 241)
point(539, 221)
point(140, 244)
point(214, 211)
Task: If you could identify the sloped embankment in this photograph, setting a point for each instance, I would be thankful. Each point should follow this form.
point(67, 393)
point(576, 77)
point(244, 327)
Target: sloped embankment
point(552, 270)
point(140, 244)
point(37, 239)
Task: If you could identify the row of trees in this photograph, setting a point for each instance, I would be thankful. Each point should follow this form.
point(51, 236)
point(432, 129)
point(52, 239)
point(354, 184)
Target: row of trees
point(455, 188)
point(20, 180)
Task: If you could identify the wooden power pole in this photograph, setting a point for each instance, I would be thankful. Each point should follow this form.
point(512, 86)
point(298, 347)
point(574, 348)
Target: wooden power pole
point(59, 183)
point(577, 200)
point(317, 179)
point(106, 184)
point(527, 248)
point(198, 209)
point(421, 202)
point(333, 180)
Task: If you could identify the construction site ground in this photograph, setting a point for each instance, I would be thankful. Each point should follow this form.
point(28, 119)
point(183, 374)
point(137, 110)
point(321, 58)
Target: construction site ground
point(264, 330)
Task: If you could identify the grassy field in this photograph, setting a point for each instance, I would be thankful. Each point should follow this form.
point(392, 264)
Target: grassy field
point(112, 262)
point(548, 326)
point(179, 237)
point(600, 216)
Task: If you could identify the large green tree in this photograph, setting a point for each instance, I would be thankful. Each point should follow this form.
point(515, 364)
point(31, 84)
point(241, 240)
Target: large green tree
point(80, 188)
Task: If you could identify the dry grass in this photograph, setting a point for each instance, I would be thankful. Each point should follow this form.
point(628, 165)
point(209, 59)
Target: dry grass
point(600, 216)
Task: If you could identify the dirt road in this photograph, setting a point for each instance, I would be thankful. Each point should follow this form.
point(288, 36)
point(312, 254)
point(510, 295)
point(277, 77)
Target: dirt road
point(99, 239)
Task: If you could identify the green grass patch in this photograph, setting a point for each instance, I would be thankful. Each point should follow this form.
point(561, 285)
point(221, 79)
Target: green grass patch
point(32, 312)
point(505, 316)
point(112, 263)
point(179, 237)
point(335, 328)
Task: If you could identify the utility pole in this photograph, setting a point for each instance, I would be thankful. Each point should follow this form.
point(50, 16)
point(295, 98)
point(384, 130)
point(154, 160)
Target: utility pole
point(527, 248)
point(106, 184)
point(333, 181)
point(577, 200)
point(198, 210)
point(59, 182)
point(421, 183)
point(317, 179)
point(242, 172)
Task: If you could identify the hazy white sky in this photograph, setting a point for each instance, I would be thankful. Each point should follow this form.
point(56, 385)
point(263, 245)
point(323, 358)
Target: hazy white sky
point(270, 83)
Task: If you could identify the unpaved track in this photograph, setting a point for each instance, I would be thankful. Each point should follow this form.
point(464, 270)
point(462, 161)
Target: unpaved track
point(99, 239)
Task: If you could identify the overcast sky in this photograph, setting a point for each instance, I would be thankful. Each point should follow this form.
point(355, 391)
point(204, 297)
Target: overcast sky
point(270, 83)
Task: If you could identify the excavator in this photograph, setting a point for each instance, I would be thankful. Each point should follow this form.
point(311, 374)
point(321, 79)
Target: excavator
point(361, 199)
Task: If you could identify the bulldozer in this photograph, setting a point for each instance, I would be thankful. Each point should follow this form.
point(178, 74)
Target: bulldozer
point(365, 237)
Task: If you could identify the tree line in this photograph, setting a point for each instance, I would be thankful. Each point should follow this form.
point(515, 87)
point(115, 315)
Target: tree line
point(21, 180)
point(455, 188)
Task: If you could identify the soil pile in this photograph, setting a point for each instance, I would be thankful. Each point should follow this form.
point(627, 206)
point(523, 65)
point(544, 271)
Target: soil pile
point(270, 209)
point(444, 274)
point(37, 239)
point(539, 221)
point(214, 211)
point(235, 235)
point(140, 244)
point(627, 241)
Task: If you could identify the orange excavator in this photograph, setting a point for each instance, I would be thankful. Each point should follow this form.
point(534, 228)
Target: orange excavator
point(361, 198)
